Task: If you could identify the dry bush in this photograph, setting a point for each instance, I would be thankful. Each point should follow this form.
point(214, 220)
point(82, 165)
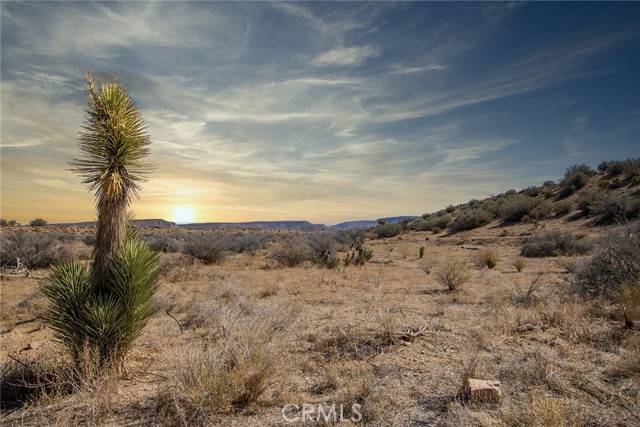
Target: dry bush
point(35, 250)
point(519, 264)
point(388, 229)
point(387, 323)
point(269, 290)
point(228, 378)
point(358, 401)
point(209, 249)
point(486, 258)
point(291, 252)
point(530, 369)
point(452, 274)
point(616, 261)
point(555, 243)
point(540, 409)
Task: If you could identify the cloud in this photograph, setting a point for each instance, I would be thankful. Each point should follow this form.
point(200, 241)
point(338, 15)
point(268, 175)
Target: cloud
point(343, 56)
point(418, 69)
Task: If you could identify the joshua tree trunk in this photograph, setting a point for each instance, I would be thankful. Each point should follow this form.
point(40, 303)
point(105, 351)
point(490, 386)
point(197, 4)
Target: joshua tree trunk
point(110, 235)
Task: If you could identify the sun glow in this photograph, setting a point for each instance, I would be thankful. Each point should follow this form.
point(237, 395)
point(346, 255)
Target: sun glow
point(182, 215)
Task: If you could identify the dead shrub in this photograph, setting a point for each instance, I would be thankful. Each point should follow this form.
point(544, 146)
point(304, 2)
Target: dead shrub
point(178, 268)
point(452, 274)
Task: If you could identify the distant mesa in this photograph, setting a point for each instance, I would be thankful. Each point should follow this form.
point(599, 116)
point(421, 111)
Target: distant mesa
point(260, 225)
point(255, 225)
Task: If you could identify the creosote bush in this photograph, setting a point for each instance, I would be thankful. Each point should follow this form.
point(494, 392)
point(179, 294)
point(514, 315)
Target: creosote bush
point(207, 248)
point(387, 230)
point(555, 243)
point(615, 262)
point(469, 219)
point(291, 252)
point(452, 274)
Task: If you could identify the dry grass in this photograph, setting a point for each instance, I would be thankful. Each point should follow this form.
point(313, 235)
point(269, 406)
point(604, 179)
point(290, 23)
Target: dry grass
point(486, 258)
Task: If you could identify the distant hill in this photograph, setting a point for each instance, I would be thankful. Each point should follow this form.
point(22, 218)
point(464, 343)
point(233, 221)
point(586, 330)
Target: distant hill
point(366, 223)
point(261, 225)
point(139, 223)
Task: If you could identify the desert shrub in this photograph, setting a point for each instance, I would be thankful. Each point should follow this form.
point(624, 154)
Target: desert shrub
point(562, 208)
point(387, 230)
point(421, 252)
point(615, 261)
point(527, 296)
point(575, 178)
point(349, 238)
point(615, 208)
point(4, 222)
point(511, 192)
point(532, 191)
point(517, 207)
point(246, 242)
point(554, 243)
point(207, 248)
point(88, 239)
point(291, 252)
point(38, 222)
point(548, 183)
point(431, 223)
point(452, 274)
point(178, 268)
point(322, 245)
point(469, 219)
point(631, 168)
point(450, 209)
point(358, 257)
point(486, 258)
point(35, 250)
point(588, 201)
point(162, 243)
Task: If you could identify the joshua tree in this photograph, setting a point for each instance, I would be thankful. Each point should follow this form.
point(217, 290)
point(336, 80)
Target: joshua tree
point(115, 143)
point(105, 307)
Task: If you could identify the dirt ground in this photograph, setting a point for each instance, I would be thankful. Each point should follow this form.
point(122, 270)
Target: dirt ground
point(385, 335)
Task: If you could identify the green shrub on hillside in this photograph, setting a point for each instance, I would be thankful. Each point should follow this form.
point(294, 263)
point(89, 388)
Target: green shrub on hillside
point(387, 230)
point(469, 219)
point(517, 207)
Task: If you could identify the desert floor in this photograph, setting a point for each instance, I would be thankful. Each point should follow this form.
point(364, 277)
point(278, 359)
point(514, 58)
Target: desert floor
point(385, 335)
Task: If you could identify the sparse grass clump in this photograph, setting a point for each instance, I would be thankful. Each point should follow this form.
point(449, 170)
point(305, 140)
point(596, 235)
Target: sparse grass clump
point(519, 264)
point(486, 258)
point(555, 243)
point(616, 261)
point(452, 274)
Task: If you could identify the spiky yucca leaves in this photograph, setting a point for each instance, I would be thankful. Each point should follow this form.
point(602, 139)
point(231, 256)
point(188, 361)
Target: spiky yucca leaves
point(107, 322)
point(114, 143)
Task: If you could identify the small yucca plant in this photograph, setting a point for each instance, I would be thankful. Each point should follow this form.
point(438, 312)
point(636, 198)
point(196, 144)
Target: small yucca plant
point(106, 305)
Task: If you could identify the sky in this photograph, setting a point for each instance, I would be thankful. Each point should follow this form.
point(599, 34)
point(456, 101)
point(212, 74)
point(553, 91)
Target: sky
point(319, 111)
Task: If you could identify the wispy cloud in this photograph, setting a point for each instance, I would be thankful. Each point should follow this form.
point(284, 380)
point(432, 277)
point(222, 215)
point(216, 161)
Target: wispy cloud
point(343, 56)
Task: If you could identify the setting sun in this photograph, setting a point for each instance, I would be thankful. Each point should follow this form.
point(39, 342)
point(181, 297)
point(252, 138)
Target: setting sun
point(182, 215)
